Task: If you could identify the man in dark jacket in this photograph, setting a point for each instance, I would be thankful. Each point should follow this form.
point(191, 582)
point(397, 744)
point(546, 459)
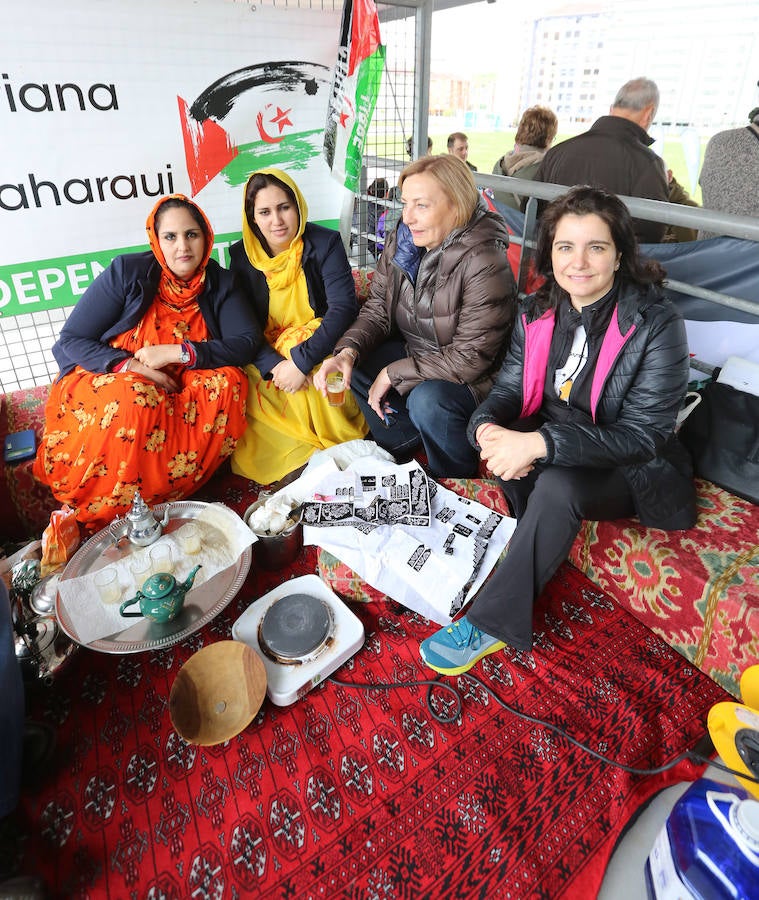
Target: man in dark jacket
point(615, 154)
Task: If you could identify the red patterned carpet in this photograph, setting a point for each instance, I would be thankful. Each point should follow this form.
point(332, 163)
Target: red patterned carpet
point(362, 793)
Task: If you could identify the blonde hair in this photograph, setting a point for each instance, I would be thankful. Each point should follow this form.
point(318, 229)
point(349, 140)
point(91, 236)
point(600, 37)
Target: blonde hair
point(455, 180)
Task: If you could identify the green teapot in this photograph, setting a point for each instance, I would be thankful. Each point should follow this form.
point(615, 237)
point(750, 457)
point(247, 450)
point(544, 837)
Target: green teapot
point(161, 597)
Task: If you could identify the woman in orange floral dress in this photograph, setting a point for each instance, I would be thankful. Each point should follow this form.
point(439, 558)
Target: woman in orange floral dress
point(150, 394)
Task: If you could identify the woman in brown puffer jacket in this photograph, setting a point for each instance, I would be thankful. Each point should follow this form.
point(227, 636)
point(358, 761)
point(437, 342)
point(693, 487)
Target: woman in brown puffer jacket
point(429, 340)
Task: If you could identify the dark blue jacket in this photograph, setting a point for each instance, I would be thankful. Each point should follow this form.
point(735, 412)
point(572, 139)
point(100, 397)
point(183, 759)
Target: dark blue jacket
point(119, 297)
point(331, 293)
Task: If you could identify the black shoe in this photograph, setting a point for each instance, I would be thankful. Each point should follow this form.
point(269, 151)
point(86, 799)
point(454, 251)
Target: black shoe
point(23, 887)
point(37, 754)
point(13, 832)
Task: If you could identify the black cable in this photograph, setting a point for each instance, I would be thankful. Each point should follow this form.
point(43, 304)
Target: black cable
point(436, 684)
point(722, 767)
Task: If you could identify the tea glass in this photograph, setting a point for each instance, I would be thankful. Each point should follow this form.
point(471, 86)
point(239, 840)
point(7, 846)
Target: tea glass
point(161, 559)
point(140, 567)
point(335, 389)
point(108, 585)
point(188, 538)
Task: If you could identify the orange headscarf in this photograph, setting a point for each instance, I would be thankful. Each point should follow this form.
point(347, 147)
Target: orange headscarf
point(172, 289)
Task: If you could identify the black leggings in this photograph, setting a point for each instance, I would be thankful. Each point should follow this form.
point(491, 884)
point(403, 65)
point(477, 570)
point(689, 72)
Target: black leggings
point(549, 505)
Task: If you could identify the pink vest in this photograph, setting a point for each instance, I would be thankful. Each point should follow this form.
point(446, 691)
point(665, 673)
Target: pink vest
point(537, 344)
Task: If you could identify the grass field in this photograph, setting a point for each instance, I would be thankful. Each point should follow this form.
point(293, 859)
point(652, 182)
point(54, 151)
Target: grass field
point(487, 147)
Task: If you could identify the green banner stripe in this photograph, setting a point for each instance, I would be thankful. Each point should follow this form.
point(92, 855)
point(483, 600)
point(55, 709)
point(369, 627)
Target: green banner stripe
point(58, 282)
point(368, 80)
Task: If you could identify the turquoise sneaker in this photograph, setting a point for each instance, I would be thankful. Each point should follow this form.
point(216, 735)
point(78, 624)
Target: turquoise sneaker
point(457, 647)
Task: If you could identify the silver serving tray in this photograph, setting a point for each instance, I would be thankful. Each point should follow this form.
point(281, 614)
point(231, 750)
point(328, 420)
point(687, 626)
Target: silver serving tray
point(202, 605)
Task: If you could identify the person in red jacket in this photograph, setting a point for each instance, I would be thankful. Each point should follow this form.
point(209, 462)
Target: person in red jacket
point(580, 423)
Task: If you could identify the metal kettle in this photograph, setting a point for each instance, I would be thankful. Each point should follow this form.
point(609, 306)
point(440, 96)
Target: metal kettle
point(142, 527)
point(41, 646)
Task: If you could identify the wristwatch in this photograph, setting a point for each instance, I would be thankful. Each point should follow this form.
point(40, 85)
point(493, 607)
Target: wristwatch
point(351, 352)
point(184, 355)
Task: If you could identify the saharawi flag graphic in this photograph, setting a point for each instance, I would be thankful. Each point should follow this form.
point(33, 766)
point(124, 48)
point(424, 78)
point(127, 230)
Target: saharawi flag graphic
point(360, 61)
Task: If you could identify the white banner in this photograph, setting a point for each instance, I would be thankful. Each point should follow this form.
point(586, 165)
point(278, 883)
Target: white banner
point(105, 106)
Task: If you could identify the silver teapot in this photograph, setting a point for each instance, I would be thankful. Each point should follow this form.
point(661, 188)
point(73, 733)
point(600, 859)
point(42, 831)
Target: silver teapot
point(140, 525)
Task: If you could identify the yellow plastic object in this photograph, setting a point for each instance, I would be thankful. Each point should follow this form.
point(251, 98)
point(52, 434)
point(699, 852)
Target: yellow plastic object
point(750, 687)
point(734, 725)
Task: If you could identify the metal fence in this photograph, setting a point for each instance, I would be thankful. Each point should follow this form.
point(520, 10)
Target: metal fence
point(743, 227)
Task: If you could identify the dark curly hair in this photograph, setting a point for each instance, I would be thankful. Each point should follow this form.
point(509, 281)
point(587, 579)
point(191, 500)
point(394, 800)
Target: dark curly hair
point(584, 200)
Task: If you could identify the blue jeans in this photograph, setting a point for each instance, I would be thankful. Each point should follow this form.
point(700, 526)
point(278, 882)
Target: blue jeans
point(434, 414)
point(11, 711)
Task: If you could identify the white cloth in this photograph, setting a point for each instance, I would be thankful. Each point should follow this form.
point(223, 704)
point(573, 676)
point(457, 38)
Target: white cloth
point(273, 514)
point(342, 455)
point(432, 562)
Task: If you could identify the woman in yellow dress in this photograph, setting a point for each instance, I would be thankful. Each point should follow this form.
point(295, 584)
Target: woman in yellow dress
point(298, 280)
point(150, 394)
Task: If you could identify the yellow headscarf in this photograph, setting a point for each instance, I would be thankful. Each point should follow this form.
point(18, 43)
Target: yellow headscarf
point(280, 270)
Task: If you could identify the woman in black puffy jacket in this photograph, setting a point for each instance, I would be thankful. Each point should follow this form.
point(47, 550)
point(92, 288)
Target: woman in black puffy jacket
point(580, 423)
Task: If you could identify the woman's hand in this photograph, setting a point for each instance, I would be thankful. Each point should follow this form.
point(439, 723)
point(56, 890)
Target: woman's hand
point(378, 391)
point(288, 377)
point(157, 376)
point(158, 356)
point(343, 362)
point(509, 454)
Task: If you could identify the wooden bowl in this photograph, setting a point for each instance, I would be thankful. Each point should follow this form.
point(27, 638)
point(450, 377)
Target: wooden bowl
point(217, 693)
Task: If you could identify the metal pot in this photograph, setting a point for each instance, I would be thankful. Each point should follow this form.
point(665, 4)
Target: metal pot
point(41, 645)
point(140, 525)
point(276, 551)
